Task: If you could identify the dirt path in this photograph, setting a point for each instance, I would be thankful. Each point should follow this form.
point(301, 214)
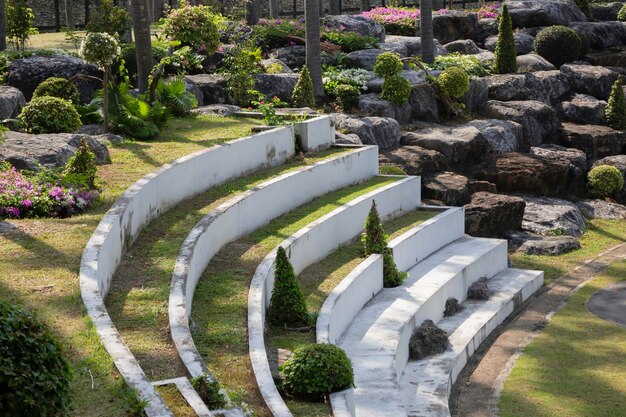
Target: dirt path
point(477, 391)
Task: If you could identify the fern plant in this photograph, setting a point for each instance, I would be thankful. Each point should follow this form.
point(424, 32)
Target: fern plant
point(175, 97)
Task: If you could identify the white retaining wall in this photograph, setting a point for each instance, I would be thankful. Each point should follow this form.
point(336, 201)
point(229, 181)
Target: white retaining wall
point(144, 201)
point(314, 133)
point(244, 214)
point(307, 246)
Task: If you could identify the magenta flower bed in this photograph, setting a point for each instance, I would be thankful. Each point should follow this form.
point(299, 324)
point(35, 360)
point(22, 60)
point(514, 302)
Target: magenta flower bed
point(22, 197)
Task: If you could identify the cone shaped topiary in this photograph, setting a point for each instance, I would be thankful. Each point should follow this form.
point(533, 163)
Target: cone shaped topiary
point(303, 95)
point(287, 306)
point(616, 108)
point(506, 51)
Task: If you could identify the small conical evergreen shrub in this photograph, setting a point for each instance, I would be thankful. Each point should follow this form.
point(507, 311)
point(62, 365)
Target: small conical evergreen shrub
point(616, 108)
point(287, 306)
point(506, 51)
point(303, 95)
point(82, 165)
point(375, 241)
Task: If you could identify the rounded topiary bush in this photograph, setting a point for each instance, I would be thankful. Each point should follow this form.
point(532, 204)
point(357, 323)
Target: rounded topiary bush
point(50, 115)
point(58, 87)
point(34, 374)
point(558, 44)
point(388, 64)
point(454, 82)
point(347, 94)
point(621, 15)
point(396, 89)
point(317, 370)
point(605, 180)
point(194, 26)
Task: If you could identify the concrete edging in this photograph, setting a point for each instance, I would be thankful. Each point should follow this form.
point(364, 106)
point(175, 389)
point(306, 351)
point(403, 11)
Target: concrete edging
point(307, 246)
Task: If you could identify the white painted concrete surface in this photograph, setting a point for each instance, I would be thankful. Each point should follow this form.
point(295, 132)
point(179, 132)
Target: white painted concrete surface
point(245, 213)
point(307, 246)
point(314, 133)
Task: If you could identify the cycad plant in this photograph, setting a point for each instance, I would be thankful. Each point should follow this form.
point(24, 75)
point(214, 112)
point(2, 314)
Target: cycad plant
point(175, 97)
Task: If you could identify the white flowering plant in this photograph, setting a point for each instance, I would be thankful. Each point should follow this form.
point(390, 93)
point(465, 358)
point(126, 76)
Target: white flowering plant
point(333, 77)
point(100, 49)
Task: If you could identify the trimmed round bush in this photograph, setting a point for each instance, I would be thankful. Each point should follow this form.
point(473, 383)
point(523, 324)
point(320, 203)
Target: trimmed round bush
point(605, 180)
point(194, 26)
point(314, 371)
point(50, 115)
point(100, 49)
point(347, 94)
point(35, 376)
point(396, 89)
point(58, 87)
point(454, 82)
point(388, 64)
point(558, 44)
point(621, 15)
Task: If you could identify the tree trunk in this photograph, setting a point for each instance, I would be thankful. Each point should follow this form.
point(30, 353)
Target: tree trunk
point(127, 35)
point(106, 99)
point(365, 5)
point(254, 11)
point(69, 14)
point(143, 46)
point(426, 31)
point(274, 9)
point(313, 51)
point(333, 7)
point(3, 26)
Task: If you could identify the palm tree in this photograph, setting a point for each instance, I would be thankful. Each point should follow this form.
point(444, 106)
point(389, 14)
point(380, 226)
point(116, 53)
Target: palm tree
point(426, 31)
point(3, 26)
point(69, 14)
point(333, 7)
point(312, 38)
point(143, 45)
point(254, 12)
point(274, 9)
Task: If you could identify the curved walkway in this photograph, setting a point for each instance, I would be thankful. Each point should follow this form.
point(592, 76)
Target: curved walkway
point(477, 392)
point(610, 304)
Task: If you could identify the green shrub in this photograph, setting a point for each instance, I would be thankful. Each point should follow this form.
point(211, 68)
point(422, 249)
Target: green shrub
point(316, 370)
point(391, 276)
point(109, 18)
point(350, 41)
point(241, 65)
point(469, 63)
point(129, 56)
point(81, 167)
point(303, 91)
point(194, 26)
point(35, 378)
point(174, 96)
point(605, 180)
point(615, 112)
point(388, 64)
point(100, 49)
point(558, 44)
point(387, 169)
point(396, 89)
point(209, 391)
point(506, 51)
point(287, 305)
point(453, 82)
point(58, 87)
point(19, 23)
point(585, 7)
point(347, 94)
point(50, 115)
point(621, 15)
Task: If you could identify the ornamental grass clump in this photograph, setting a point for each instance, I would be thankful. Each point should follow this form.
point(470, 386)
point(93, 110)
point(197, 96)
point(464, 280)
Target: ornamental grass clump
point(35, 376)
point(303, 95)
point(506, 52)
point(314, 371)
point(287, 306)
point(58, 87)
point(615, 112)
point(374, 240)
point(605, 180)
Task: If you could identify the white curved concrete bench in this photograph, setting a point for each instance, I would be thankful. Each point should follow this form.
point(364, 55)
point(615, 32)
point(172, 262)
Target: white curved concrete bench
point(427, 384)
point(243, 214)
point(144, 201)
point(307, 246)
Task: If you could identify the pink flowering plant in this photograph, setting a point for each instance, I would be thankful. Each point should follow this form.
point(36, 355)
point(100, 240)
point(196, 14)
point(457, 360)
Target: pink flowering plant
point(268, 109)
point(194, 26)
point(39, 195)
point(487, 11)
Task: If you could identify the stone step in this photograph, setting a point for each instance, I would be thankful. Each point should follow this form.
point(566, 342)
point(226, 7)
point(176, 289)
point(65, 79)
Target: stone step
point(426, 384)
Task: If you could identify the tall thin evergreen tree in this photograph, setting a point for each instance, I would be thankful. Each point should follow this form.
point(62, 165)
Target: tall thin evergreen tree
point(506, 51)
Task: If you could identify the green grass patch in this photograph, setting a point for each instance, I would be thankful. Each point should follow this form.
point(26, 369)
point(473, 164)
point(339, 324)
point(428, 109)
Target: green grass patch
point(175, 401)
point(220, 303)
point(575, 367)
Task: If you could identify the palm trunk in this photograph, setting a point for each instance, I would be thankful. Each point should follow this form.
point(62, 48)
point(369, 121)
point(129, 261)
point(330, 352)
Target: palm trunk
point(106, 99)
point(426, 31)
point(365, 5)
point(333, 7)
point(3, 26)
point(254, 12)
point(69, 14)
point(313, 51)
point(274, 9)
point(143, 46)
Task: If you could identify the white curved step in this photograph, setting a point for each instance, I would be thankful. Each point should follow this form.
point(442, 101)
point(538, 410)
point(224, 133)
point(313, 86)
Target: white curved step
point(426, 384)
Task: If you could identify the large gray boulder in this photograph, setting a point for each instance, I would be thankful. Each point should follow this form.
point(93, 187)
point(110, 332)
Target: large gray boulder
point(533, 62)
point(547, 86)
point(613, 58)
point(397, 47)
point(552, 217)
point(365, 58)
point(454, 25)
point(584, 109)
point(590, 80)
point(536, 13)
point(415, 160)
point(485, 28)
point(208, 88)
point(381, 131)
point(490, 215)
point(463, 46)
point(276, 85)
point(375, 84)
point(503, 135)
point(358, 24)
point(538, 120)
point(595, 141)
point(476, 96)
point(450, 188)
point(606, 12)
point(424, 102)
point(601, 209)
point(292, 56)
point(27, 73)
point(223, 110)
point(532, 244)
point(523, 43)
point(11, 102)
point(601, 35)
point(373, 105)
point(413, 44)
point(26, 151)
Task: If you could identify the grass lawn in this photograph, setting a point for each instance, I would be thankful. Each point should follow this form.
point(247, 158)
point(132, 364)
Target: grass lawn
point(56, 40)
point(40, 260)
point(576, 367)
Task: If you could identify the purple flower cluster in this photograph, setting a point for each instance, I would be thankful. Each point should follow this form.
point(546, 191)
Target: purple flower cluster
point(22, 197)
point(488, 11)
